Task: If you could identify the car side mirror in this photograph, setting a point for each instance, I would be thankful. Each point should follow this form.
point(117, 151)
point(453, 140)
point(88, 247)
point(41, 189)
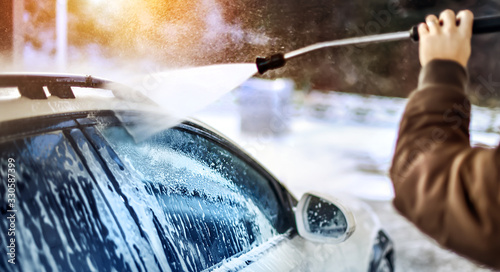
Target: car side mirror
point(323, 219)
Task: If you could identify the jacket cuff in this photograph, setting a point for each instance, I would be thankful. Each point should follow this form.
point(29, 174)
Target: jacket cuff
point(443, 72)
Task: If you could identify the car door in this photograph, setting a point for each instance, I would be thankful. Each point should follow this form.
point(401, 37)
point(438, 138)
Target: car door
point(208, 204)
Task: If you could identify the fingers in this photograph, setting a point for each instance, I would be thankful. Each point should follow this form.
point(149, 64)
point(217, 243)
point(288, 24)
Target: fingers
point(433, 24)
point(448, 19)
point(465, 17)
point(423, 30)
point(449, 22)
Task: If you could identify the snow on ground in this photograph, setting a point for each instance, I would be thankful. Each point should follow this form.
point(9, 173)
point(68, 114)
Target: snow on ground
point(336, 142)
point(344, 142)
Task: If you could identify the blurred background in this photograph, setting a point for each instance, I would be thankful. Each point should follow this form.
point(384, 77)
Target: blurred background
point(64, 34)
point(327, 121)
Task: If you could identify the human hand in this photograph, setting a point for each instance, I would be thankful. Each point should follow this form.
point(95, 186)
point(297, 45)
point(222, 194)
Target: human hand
point(443, 39)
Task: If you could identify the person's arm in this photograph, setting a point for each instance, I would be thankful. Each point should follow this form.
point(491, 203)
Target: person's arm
point(449, 190)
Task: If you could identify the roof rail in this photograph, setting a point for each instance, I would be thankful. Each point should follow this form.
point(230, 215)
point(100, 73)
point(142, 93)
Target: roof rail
point(31, 85)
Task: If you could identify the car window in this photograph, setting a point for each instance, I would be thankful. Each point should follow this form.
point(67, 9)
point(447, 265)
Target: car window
point(61, 219)
point(209, 205)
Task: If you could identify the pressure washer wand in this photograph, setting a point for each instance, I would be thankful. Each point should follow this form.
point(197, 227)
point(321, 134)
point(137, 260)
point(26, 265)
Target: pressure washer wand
point(480, 25)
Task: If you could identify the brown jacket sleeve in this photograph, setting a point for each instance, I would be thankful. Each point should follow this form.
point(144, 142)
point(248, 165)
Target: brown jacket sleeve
point(449, 190)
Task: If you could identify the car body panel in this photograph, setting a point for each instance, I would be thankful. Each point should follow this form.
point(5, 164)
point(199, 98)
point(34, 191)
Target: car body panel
point(299, 254)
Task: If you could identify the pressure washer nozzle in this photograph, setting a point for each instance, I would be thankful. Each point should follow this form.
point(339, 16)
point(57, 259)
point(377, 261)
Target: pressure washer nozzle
point(271, 62)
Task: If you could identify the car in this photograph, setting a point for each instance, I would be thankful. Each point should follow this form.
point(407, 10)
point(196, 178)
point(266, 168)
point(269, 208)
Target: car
point(80, 193)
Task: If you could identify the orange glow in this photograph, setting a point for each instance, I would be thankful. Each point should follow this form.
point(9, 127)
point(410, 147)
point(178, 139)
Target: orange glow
point(172, 29)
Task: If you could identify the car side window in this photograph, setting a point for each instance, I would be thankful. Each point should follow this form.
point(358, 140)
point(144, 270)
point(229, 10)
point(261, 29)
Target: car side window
point(61, 221)
point(213, 205)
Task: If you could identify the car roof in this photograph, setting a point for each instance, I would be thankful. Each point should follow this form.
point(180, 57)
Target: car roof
point(32, 95)
point(24, 95)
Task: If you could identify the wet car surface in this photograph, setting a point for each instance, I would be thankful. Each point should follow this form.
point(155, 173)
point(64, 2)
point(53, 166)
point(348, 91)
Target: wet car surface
point(88, 197)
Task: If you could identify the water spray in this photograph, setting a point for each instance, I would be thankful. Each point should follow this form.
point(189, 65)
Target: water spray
point(480, 25)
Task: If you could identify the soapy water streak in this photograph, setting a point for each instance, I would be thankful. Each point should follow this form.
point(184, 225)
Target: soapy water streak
point(176, 95)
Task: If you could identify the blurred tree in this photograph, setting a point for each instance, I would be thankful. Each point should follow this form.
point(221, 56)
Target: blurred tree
point(6, 27)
